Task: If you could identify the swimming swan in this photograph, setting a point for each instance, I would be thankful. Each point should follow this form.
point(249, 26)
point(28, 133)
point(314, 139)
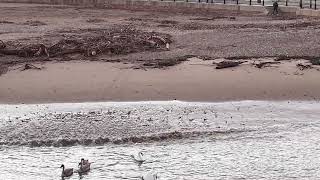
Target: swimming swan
point(139, 158)
point(84, 161)
point(150, 176)
point(66, 172)
point(84, 166)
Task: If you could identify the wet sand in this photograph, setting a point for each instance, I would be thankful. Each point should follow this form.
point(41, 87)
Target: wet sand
point(194, 80)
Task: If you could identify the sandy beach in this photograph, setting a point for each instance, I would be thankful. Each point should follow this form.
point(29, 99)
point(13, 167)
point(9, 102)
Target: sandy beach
point(134, 71)
point(194, 80)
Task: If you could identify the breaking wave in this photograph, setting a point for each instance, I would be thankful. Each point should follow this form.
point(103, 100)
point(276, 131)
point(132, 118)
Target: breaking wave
point(140, 122)
point(168, 136)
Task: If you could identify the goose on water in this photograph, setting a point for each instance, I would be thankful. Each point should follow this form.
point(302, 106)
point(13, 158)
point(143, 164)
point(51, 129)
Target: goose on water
point(66, 172)
point(150, 176)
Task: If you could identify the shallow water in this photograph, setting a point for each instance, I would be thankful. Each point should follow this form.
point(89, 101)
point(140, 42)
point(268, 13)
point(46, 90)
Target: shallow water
point(255, 140)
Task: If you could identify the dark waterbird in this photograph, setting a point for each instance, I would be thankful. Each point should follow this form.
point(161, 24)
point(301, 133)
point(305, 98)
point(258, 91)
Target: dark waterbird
point(66, 172)
point(84, 166)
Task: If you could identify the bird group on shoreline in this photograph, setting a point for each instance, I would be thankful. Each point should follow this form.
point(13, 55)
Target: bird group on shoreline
point(84, 167)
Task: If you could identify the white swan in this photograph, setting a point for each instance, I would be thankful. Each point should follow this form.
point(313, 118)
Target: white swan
point(139, 158)
point(150, 176)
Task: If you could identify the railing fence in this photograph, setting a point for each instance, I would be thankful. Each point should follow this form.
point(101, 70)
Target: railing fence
point(312, 4)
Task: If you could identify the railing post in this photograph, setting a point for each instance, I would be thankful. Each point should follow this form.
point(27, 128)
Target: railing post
point(262, 2)
point(199, 1)
point(310, 4)
point(250, 2)
point(301, 4)
point(237, 1)
point(315, 4)
point(286, 2)
point(224, 1)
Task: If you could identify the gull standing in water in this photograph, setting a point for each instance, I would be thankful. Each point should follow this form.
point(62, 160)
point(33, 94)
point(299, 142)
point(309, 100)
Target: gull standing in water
point(66, 172)
point(150, 176)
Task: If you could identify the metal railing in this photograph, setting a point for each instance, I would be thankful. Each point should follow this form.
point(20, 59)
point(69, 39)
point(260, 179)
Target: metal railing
point(312, 4)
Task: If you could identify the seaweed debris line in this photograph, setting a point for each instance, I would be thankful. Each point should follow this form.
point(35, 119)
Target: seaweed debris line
point(92, 42)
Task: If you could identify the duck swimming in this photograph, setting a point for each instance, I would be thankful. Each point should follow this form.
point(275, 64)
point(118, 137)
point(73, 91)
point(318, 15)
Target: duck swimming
point(66, 172)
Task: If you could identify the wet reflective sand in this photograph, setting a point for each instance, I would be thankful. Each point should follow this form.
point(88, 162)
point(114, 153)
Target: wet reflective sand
point(229, 140)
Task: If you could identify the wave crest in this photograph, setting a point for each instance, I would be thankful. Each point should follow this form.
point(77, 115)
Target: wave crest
point(175, 135)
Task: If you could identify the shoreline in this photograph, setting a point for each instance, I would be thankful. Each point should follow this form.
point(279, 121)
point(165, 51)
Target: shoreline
point(193, 81)
point(155, 102)
point(140, 67)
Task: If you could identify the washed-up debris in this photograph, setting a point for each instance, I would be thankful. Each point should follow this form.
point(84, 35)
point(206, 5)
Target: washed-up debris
point(6, 22)
point(263, 64)
point(28, 51)
point(166, 62)
point(213, 18)
point(139, 19)
point(34, 23)
point(3, 69)
point(310, 58)
point(42, 50)
point(95, 20)
point(304, 66)
point(283, 58)
point(116, 41)
point(168, 22)
point(2, 45)
point(228, 64)
point(119, 40)
point(315, 61)
point(30, 66)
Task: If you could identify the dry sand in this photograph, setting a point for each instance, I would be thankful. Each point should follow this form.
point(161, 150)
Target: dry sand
point(194, 80)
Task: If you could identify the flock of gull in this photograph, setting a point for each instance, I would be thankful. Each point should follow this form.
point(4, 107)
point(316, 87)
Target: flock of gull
point(84, 167)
